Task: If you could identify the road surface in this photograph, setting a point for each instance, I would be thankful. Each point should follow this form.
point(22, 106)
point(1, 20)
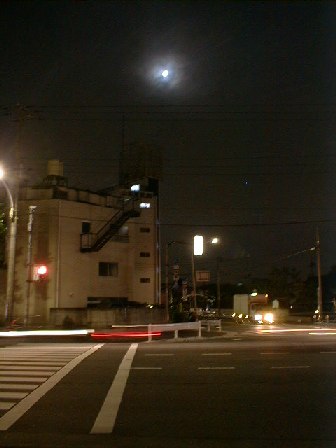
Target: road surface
point(249, 388)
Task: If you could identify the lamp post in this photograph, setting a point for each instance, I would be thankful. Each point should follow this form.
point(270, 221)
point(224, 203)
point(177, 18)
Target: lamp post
point(11, 250)
point(167, 277)
point(197, 250)
point(319, 277)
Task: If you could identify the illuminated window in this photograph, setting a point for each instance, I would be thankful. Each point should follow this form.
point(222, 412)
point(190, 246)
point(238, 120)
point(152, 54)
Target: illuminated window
point(107, 269)
point(144, 280)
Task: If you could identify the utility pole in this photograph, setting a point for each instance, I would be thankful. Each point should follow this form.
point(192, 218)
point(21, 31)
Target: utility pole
point(19, 114)
point(218, 284)
point(193, 273)
point(167, 278)
point(319, 275)
point(32, 209)
point(11, 239)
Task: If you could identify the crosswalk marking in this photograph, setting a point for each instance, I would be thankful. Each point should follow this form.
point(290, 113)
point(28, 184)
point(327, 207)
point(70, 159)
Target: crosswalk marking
point(30, 363)
point(12, 394)
point(25, 368)
point(27, 373)
point(5, 405)
point(7, 386)
point(23, 379)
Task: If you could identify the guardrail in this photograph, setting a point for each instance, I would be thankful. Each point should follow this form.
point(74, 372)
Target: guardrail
point(174, 327)
point(212, 323)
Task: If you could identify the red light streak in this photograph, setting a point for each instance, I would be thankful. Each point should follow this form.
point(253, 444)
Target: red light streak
point(138, 334)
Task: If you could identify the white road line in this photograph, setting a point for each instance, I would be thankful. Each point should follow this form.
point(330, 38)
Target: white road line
point(32, 363)
point(146, 368)
point(216, 368)
point(36, 356)
point(290, 367)
point(216, 354)
point(107, 415)
point(22, 379)
point(4, 406)
point(18, 386)
point(28, 372)
point(40, 358)
point(7, 420)
point(25, 368)
point(17, 395)
point(274, 353)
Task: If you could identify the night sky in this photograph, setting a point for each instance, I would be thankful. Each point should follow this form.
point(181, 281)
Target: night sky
point(245, 120)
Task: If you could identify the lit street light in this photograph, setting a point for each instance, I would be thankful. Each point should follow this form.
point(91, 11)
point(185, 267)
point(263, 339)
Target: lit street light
point(11, 250)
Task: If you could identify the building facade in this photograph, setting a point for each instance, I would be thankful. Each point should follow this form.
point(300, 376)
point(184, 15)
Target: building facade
point(100, 249)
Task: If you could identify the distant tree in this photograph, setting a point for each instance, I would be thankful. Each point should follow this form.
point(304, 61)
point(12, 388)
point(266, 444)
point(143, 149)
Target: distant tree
point(285, 283)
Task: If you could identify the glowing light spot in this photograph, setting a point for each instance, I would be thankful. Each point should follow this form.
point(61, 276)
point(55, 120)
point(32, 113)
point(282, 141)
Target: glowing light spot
point(129, 334)
point(165, 73)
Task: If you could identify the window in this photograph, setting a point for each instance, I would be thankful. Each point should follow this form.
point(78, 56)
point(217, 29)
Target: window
point(107, 269)
point(144, 229)
point(144, 254)
point(145, 280)
point(86, 227)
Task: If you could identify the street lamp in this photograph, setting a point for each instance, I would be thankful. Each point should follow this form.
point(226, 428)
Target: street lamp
point(11, 250)
point(216, 240)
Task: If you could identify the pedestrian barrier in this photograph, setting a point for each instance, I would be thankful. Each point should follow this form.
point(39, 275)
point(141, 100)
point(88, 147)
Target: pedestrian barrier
point(174, 327)
point(217, 323)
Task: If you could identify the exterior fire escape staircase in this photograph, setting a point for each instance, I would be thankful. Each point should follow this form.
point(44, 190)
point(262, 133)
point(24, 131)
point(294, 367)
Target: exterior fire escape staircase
point(93, 242)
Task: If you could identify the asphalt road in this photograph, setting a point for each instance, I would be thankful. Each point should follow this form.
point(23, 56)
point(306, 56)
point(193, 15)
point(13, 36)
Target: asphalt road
point(247, 388)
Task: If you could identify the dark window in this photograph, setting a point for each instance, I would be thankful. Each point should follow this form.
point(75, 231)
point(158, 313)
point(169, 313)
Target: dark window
point(86, 227)
point(108, 269)
point(144, 254)
point(145, 280)
point(144, 229)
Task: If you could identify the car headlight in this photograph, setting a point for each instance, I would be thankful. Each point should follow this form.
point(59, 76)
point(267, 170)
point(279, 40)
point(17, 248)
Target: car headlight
point(269, 318)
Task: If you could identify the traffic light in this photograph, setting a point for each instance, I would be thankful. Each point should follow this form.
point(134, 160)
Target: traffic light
point(40, 272)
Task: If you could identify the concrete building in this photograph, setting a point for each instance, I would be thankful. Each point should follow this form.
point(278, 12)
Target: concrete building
point(100, 249)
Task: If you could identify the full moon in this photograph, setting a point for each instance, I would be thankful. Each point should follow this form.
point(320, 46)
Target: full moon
point(165, 73)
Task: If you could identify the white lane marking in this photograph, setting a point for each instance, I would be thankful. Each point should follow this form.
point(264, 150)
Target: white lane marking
point(21, 379)
point(12, 394)
point(4, 406)
point(216, 354)
point(7, 420)
point(25, 368)
point(31, 363)
point(274, 353)
point(28, 372)
point(52, 360)
point(290, 367)
point(107, 415)
point(146, 368)
point(7, 386)
point(216, 368)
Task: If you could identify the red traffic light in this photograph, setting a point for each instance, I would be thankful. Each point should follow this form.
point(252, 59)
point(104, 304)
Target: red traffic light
point(42, 271)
